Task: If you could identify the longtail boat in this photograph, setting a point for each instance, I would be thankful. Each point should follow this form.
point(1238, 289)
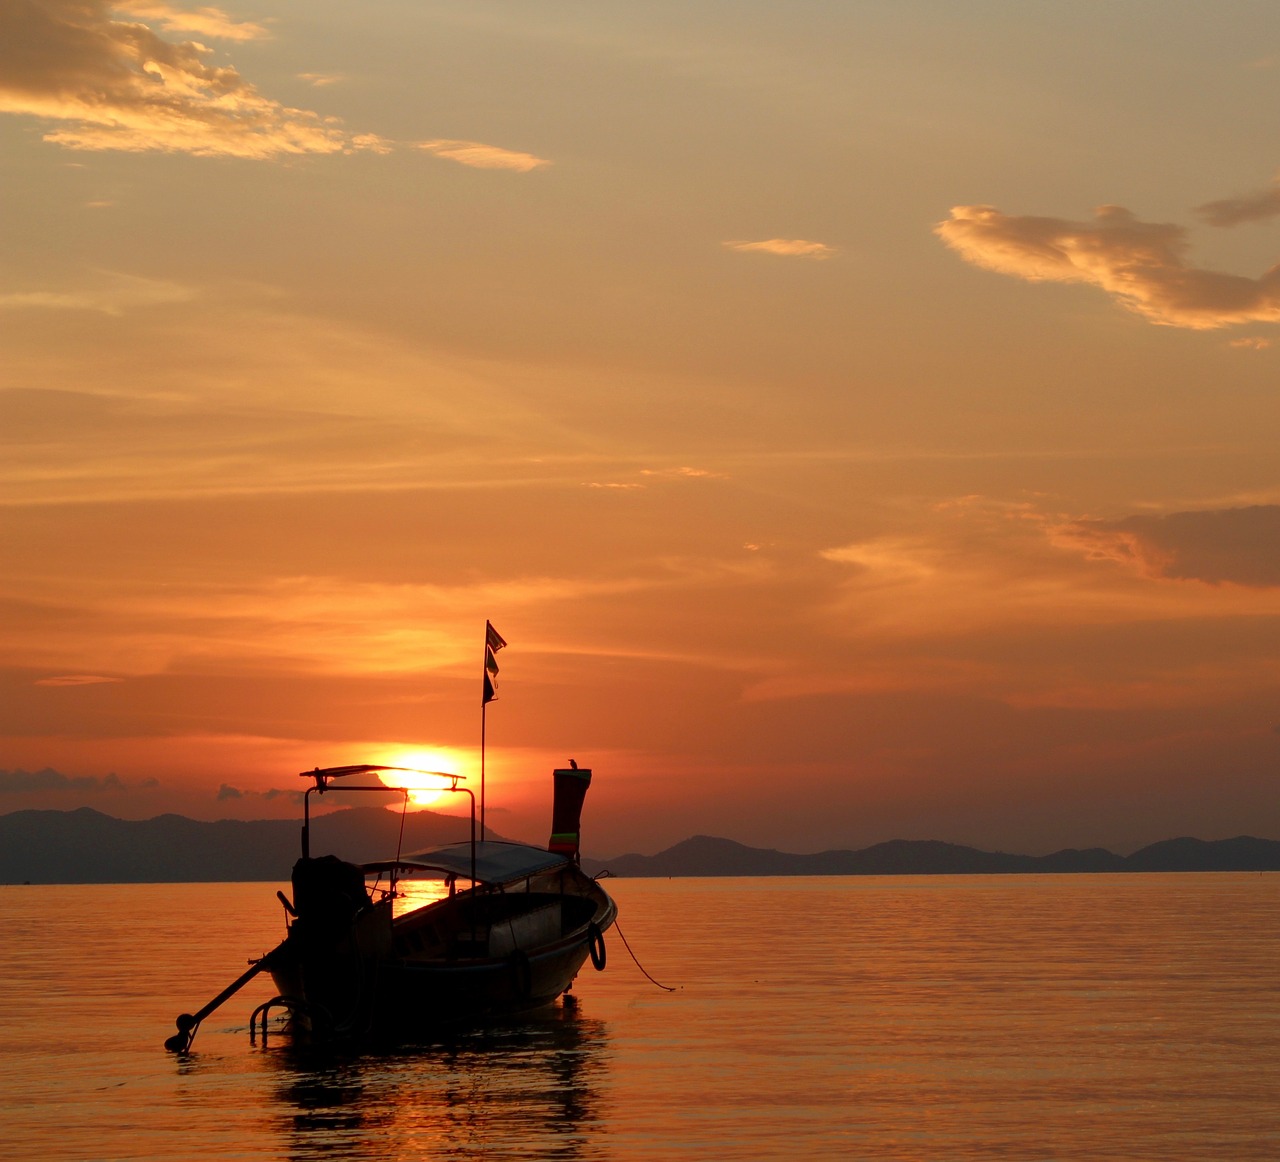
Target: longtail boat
point(516, 925)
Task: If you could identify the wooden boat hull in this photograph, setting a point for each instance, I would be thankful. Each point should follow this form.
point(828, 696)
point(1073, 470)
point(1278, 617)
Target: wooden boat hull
point(466, 959)
point(418, 995)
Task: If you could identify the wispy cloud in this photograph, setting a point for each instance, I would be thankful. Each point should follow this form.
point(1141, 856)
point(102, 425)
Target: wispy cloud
point(682, 473)
point(107, 292)
point(208, 21)
point(321, 80)
point(784, 247)
point(1253, 343)
point(112, 84)
point(889, 560)
point(1141, 263)
point(480, 156)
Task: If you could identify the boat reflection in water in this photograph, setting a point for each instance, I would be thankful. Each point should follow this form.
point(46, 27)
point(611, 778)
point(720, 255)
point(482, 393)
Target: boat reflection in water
point(527, 1089)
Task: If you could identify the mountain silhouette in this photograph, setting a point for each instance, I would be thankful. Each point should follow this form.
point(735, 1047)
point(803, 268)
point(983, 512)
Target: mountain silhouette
point(705, 855)
point(86, 846)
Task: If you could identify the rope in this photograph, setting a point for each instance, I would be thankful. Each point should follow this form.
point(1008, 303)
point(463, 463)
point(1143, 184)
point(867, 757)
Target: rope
point(641, 967)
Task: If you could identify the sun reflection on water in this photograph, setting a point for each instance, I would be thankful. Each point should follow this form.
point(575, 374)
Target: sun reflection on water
point(417, 893)
point(531, 1086)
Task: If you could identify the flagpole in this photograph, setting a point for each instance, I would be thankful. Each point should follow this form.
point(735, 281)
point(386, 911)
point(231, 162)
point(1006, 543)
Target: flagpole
point(493, 642)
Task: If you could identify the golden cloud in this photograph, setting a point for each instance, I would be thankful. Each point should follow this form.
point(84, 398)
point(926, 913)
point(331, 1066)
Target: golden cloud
point(117, 85)
point(480, 156)
point(212, 22)
point(1141, 263)
point(785, 247)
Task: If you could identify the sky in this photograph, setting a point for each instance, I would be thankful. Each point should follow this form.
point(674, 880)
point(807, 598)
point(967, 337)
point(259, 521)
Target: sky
point(859, 419)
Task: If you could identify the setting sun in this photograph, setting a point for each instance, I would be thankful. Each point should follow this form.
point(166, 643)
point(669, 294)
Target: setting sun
point(425, 774)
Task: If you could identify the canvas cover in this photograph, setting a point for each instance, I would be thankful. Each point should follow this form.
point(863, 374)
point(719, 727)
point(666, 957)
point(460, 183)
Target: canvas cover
point(496, 863)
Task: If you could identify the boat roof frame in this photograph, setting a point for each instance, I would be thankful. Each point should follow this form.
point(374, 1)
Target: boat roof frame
point(323, 775)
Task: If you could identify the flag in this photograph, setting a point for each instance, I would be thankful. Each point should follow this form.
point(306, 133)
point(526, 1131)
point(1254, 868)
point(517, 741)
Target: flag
point(493, 642)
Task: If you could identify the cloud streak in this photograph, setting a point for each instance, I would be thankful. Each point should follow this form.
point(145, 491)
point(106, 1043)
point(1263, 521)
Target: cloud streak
point(77, 680)
point(113, 84)
point(478, 155)
point(784, 248)
point(1142, 264)
point(109, 293)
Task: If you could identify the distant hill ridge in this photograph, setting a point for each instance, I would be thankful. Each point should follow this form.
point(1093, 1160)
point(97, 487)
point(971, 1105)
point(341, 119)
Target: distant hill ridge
point(86, 846)
point(706, 855)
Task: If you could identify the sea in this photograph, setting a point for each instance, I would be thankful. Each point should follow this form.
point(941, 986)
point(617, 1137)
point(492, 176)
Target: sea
point(917, 1018)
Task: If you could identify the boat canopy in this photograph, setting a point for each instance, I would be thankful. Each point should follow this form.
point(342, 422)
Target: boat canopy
point(495, 864)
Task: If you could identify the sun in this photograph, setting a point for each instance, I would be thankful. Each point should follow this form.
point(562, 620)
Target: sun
point(425, 776)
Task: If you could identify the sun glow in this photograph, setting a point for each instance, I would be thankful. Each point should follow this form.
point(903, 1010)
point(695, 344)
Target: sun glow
point(427, 773)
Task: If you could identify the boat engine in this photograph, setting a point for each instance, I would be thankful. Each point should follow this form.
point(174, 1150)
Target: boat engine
point(328, 894)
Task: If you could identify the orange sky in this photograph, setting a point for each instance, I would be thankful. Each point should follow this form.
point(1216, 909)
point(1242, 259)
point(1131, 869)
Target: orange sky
point(860, 420)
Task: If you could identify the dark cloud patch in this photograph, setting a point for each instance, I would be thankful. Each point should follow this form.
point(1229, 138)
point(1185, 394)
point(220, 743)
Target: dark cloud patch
point(226, 791)
point(1236, 545)
point(19, 782)
point(1256, 207)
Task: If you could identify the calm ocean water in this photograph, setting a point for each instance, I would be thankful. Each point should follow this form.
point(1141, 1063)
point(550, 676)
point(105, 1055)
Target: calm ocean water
point(1040, 1017)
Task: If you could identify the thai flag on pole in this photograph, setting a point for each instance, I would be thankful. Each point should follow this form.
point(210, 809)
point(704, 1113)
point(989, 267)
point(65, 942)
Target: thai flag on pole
point(493, 642)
